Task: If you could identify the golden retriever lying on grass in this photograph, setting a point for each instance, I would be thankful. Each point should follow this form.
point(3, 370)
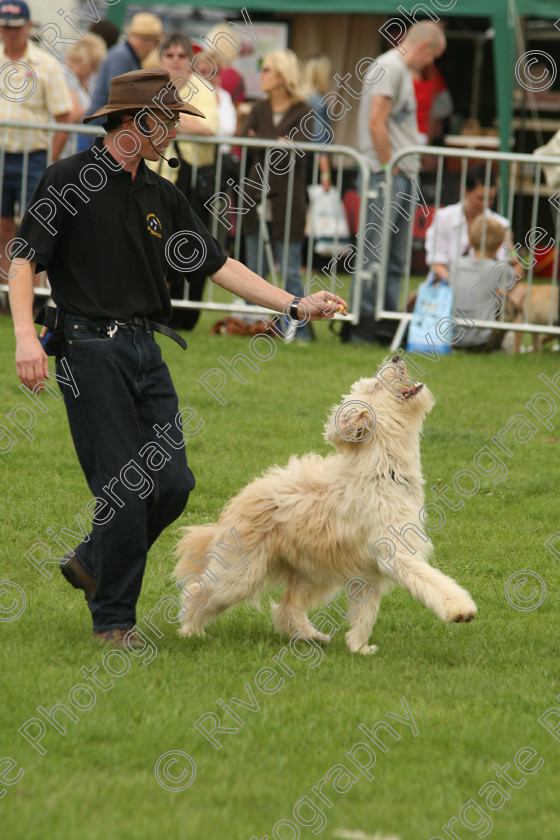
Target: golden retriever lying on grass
point(317, 523)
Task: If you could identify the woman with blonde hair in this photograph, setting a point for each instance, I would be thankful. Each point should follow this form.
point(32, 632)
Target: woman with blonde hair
point(317, 74)
point(81, 63)
point(279, 115)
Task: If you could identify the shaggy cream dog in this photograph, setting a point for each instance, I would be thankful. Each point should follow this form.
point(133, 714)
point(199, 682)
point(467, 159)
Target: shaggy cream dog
point(313, 525)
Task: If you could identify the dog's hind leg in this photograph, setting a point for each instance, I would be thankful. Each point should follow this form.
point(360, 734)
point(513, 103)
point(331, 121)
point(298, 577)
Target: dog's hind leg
point(537, 342)
point(290, 615)
point(190, 575)
point(221, 585)
point(362, 619)
point(442, 595)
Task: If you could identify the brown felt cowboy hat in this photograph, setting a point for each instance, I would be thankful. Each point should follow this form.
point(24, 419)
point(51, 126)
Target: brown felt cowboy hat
point(143, 89)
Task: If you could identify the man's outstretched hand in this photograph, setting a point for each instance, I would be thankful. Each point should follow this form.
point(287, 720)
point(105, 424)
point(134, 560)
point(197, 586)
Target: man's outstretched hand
point(322, 305)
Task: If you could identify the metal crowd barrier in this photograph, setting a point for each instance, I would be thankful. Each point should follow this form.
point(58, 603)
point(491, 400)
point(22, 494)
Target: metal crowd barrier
point(341, 157)
point(518, 176)
point(52, 128)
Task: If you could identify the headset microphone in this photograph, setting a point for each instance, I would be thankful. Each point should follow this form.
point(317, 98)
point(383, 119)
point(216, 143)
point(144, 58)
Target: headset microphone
point(173, 162)
point(143, 128)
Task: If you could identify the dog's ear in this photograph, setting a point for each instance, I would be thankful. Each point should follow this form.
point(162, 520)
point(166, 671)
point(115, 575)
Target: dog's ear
point(355, 421)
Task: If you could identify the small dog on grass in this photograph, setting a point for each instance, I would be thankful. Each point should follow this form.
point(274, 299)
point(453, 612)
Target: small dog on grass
point(317, 523)
point(543, 302)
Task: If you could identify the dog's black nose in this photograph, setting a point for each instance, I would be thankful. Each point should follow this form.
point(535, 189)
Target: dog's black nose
point(395, 359)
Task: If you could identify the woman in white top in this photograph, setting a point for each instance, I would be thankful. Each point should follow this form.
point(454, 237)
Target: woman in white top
point(447, 238)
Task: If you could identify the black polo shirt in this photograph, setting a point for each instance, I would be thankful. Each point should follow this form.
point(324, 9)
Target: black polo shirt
point(110, 243)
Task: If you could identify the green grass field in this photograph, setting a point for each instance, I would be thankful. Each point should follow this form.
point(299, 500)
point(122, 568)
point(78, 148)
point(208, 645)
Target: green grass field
point(475, 691)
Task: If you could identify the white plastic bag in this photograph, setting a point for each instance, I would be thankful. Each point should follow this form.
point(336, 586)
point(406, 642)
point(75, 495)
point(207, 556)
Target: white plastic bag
point(434, 302)
point(326, 221)
point(551, 172)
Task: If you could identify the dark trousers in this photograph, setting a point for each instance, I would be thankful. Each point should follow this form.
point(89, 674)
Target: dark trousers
point(125, 389)
point(401, 211)
point(12, 180)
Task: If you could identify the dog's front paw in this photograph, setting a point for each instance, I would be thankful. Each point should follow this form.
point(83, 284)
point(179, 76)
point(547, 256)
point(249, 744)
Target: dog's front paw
point(461, 612)
point(186, 632)
point(464, 618)
point(368, 650)
point(317, 636)
point(356, 644)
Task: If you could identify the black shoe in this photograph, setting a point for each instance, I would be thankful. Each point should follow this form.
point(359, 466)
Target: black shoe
point(126, 639)
point(365, 329)
point(77, 576)
point(344, 332)
point(385, 330)
point(370, 330)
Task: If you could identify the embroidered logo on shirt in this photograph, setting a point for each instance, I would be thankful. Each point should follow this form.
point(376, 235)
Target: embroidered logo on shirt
point(154, 225)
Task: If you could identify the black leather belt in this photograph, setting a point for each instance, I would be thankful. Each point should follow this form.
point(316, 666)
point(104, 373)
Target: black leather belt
point(155, 327)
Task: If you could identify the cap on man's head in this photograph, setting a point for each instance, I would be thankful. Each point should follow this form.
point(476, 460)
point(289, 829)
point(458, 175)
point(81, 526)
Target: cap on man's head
point(145, 25)
point(14, 13)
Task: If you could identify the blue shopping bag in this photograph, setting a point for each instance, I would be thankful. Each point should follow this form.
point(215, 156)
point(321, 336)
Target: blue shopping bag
point(434, 302)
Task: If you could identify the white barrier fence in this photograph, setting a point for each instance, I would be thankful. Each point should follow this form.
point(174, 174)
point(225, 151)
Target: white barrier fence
point(231, 198)
point(520, 183)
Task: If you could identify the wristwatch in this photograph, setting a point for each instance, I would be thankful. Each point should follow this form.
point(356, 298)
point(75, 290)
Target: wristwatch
point(294, 309)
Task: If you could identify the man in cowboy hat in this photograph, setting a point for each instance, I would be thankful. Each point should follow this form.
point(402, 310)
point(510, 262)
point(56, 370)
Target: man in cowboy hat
point(143, 34)
point(111, 233)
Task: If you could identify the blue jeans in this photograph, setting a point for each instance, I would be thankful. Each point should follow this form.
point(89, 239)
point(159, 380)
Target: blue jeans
point(293, 269)
point(11, 184)
point(125, 389)
point(401, 214)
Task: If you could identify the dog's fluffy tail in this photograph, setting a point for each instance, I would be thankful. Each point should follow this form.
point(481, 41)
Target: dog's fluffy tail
point(195, 543)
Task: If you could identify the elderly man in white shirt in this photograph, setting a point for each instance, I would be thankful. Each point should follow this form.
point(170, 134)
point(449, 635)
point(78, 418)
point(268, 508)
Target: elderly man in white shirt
point(447, 238)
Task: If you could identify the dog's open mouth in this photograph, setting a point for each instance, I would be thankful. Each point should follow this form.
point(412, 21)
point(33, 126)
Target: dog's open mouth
point(411, 392)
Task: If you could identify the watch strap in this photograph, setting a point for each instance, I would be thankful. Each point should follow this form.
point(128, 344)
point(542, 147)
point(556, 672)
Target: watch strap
point(294, 309)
